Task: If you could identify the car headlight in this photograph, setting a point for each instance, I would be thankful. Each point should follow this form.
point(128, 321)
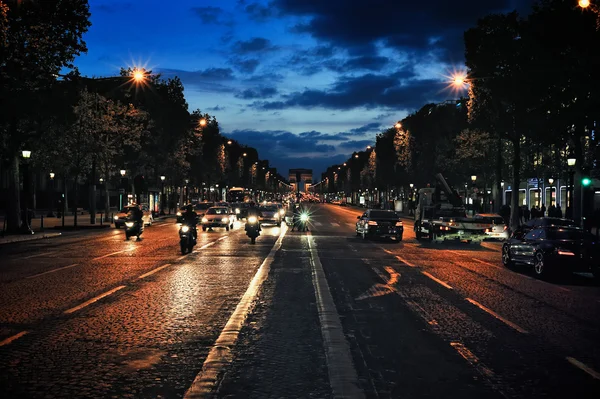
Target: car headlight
point(252, 219)
point(304, 217)
point(178, 213)
point(185, 229)
point(226, 220)
point(129, 224)
point(204, 220)
point(116, 217)
point(237, 211)
point(282, 212)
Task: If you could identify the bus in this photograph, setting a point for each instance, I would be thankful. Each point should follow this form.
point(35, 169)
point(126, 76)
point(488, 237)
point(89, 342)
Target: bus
point(238, 194)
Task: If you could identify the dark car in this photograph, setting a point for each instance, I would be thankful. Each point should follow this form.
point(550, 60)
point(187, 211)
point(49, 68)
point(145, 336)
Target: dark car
point(240, 209)
point(546, 222)
point(202, 207)
point(380, 223)
point(552, 249)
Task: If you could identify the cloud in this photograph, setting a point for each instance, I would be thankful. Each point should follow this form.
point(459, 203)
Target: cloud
point(217, 80)
point(261, 92)
point(216, 108)
point(246, 66)
point(254, 45)
point(258, 12)
point(356, 144)
point(272, 141)
point(209, 15)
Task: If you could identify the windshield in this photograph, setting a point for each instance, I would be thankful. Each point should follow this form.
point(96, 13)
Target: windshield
point(384, 214)
point(203, 206)
point(268, 208)
point(217, 211)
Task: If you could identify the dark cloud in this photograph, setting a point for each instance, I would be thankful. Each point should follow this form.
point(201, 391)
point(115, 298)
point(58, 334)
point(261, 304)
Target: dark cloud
point(356, 144)
point(258, 12)
point(254, 45)
point(272, 141)
point(373, 63)
point(246, 66)
point(260, 92)
point(369, 91)
point(354, 26)
point(113, 8)
point(264, 79)
point(342, 136)
point(209, 14)
point(369, 127)
point(212, 79)
point(216, 108)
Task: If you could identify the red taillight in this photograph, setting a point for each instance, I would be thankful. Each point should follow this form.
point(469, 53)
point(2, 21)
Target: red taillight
point(505, 227)
point(488, 230)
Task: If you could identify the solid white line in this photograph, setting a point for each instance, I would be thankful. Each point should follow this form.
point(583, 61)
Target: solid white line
point(206, 245)
point(114, 253)
point(487, 263)
point(496, 315)
point(53, 270)
point(220, 354)
point(472, 359)
point(583, 367)
point(335, 224)
point(437, 280)
point(42, 254)
point(407, 263)
point(342, 374)
point(95, 299)
point(318, 224)
point(151, 272)
point(11, 339)
point(223, 238)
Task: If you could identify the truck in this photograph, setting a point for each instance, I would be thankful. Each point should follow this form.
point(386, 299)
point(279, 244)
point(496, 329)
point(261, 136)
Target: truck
point(440, 215)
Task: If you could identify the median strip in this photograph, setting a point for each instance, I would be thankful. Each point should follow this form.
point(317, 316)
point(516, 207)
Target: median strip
point(151, 272)
point(497, 316)
point(583, 367)
point(13, 338)
point(220, 354)
point(95, 299)
point(437, 280)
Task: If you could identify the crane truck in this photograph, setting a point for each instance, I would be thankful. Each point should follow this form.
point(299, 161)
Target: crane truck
point(440, 215)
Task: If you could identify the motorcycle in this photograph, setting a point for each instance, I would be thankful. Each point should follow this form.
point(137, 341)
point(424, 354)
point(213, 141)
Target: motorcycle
point(133, 228)
point(187, 238)
point(252, 228)
point(301, 221)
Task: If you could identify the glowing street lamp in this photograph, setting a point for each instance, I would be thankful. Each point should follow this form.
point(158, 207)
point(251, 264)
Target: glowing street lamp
point(473, 178)
point(202, 122)
point(398, 125)
point(52, 175)
point(550, 181)
point(123, 171)
point(138, 75)
point(229, 142)
point(355, 155)
point(369, 147)
point(26, 154)
point(584, 3)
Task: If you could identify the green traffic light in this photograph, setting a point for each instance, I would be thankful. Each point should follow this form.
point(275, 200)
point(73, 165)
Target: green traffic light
point(586, 181)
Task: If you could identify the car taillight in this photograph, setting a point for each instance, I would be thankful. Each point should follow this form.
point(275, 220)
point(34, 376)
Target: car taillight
point(505, 227)
point(372, 223)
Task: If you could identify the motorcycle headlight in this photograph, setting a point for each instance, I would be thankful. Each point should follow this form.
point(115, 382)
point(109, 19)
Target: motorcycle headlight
point(185, 229)
point(129, 224)
point(252, 219)
point(178, 213)
point(116, 217)
point(304, 217)
point(204, 220)
point(282, 212)
point(226, 220)
point(237, 211)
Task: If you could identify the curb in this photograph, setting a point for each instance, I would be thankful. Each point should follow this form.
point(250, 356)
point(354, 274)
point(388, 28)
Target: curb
point(28, 238)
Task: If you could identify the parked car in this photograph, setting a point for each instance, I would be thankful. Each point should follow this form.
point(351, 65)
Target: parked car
point(553, 249)
point(499, 230)
point(119, 218)
point(380, 223)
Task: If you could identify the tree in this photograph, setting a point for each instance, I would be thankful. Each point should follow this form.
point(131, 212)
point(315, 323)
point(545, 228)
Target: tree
point(39, 39)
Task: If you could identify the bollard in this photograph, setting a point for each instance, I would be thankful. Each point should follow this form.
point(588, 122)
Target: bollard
point(101, 218)
point(42, 222)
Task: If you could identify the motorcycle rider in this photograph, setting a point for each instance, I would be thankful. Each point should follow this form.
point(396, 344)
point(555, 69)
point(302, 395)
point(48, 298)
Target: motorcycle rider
point(296, 217)
point(254, 211)
point(136, 215)
point(190, 218)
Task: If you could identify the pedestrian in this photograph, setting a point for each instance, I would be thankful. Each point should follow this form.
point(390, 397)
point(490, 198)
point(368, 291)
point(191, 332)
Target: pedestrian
point(543, 210)
point(526, 213)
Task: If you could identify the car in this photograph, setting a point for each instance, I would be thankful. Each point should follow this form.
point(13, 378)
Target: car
point(270, 214)
point(380, 223)
point(217, 216)
point(119, 218)
point(547, 221)
point(499, 229)
point(552, 248)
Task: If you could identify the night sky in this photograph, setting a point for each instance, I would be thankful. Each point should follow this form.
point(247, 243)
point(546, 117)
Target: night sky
point(306, 82)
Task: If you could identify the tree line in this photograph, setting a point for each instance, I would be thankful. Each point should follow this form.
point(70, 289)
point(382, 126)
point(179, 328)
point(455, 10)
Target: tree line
point(533, 102)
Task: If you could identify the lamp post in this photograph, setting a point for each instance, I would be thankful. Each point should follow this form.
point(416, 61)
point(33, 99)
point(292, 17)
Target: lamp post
point(25, 227)
point(473, 179)
point(51, 199)
point(187, 191)
point(551, 182)
point(123, 188)
point(162, 196)
point(571, 161)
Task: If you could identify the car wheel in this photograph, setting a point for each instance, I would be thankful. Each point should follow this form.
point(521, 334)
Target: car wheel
point(226, 228)
point(203, 228)
point(540, 266)
point(506, 260)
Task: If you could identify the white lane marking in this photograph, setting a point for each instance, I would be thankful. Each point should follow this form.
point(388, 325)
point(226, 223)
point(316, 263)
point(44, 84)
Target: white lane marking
point(342, 374)
point(488, 263)
point(583, 367)
point(437, 280)
point(53, 270)
point(318, 224)
point(407, 263)
point(378, 289)
point(37, 255)
point(13, 338)
point(114, 253)
point(206, 246)
point(335, 224)
point(220, 354)
point(497, 316)
point(151, 272)
point(472, 359)
point(223, 238)
point(95, 299)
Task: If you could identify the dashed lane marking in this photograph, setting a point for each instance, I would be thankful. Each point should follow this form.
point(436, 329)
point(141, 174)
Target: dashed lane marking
point(335, 224)
point(583, 367)
point(497, 316)
point(342, 374)
point(95, 299)
point(13, 338)
point(38, 255)
point(53, 270)
point(437, 280)
point(487, 263)
point(407, 263)
point(206, 245)
point(472, 359)
point(114, 253)
point(220, 355)
point(151, 272)
point(222, 238)
point(318, 224)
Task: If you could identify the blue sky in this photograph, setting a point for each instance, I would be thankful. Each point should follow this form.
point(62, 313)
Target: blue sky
point(306, 82)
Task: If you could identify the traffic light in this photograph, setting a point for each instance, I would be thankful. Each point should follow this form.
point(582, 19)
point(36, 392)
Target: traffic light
point(586, 181)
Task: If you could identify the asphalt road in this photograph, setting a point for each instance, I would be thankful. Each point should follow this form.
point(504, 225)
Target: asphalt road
point(317, 314)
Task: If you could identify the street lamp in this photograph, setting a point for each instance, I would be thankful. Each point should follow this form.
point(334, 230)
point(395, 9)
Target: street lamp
point(571, 161)
point(25, 228)
point(162, 195)
point(398, 125)
point(202, 122)
point(51, 201)
point(355, 155)
point(473, 178)
point(123, 188)
point(122, 171)
point(229, 142)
